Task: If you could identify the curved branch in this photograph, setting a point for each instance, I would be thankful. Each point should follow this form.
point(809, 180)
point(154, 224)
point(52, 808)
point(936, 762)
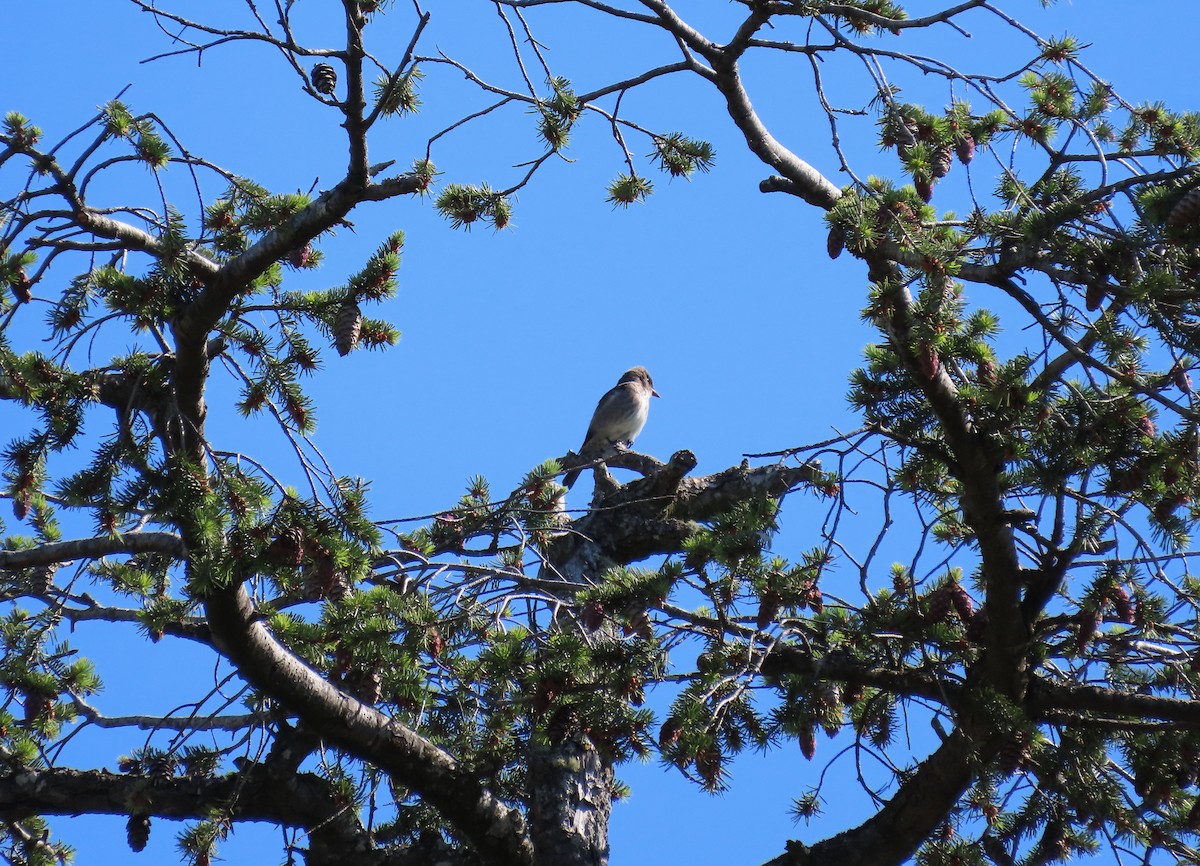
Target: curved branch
point(1046, 698)
point(303, 800)
point(166, 543)
point(496, 831)
point(904, 821)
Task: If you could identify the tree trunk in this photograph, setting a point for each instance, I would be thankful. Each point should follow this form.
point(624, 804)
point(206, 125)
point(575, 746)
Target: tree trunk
point(571, 788)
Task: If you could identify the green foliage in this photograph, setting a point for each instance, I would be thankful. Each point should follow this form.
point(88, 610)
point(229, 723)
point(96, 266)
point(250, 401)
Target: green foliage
point(626, 189)
point(464, 205)
point(18, 128)
point(148, 145)
point(557, 114)
point(680, 156)
point(398, 95)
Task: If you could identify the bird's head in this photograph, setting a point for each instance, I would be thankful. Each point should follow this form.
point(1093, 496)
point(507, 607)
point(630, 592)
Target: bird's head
point(640, 375)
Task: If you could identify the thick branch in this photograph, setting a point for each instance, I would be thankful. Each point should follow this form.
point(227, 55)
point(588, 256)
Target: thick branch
point(895, 831)
point(802, 179)
point(496, 831)
point(1046, 698)
point(783, 658)
point(166, 543)
point(303, 801)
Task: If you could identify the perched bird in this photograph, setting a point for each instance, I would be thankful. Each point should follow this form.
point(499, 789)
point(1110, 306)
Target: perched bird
point(619, 417)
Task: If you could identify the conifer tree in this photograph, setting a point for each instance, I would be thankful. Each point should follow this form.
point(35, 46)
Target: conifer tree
point(465, 691)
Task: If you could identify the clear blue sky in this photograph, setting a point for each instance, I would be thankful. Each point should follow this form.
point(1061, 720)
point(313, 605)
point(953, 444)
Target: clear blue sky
point(724, 293)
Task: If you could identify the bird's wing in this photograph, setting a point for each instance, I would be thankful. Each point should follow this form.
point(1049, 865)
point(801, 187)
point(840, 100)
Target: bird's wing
point(603, 410)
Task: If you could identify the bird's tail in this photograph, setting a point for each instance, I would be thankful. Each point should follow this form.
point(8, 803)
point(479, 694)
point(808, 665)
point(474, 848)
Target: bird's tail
point(571, 477)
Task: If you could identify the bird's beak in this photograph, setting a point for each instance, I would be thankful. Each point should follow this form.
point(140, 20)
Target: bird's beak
point(654, 393)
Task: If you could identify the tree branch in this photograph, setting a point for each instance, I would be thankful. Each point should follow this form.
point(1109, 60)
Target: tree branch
point(92, 548)
point(496, 831)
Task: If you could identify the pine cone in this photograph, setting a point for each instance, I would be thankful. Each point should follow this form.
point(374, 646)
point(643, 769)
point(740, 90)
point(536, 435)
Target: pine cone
point(940, 602)
point(38, 705)
point(808, 742)
point(1122, 604)
point(1186, 210)
point(1014, 753)
point(22, 288)
point(367, 686)
point(977, 626)
point(814, 599)
point(640, 625)
point(436, 643)
point(905, 132)
point(323, 580)
point(324, 78)
point(942, 160)
point(288, 547)
point(924, 188)
point(161, 769)
point(668, 735)
point(836, 242)
point(708, 765)
point(1182, 380)
point(347, 327)
point(593, 615)
point(1089, 624)
point(928, 362)
point(963, 605)
point(299, 258)
point(137, 831)
point(965, 148)
point(768, 608)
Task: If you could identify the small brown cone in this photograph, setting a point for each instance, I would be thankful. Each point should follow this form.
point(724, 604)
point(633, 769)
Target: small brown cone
point(23, 288)
point(708, 765)
point(1013, 753)
point(965, 148)
point(324, 78)
point(836, 242)
point(1182, 380)
point(976, 628)
point(928, 362)
point(1186, 210)
point(288, 547)
point(942, 160)
point(668, 735)
point(593, 615)
point(347, 327)
point(963, 605)
point(768, 608)
point(38, 706)
point(300, 257)
point(137, 832)
point(1122, 604)
point(924, 187)
point(941, 602)
point(808, 742)
point(1089, 624)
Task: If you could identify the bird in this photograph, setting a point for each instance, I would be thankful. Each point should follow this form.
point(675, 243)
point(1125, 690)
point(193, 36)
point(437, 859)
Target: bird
point(619, 417)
